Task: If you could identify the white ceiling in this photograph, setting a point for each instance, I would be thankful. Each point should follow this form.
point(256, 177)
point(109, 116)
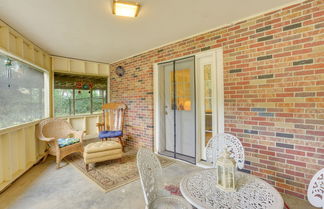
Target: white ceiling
point(86, 29)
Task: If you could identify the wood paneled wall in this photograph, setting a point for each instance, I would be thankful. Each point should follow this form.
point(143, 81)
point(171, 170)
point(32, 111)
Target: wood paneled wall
point(19, 150)
point(14, 43)
point(86, 123)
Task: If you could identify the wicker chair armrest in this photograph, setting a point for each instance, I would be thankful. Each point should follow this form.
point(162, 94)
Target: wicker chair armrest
point(50, 139)
point(78, 134)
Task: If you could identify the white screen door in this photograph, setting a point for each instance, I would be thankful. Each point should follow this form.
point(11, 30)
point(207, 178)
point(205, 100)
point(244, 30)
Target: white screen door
point(177, 96)
point(189, 104)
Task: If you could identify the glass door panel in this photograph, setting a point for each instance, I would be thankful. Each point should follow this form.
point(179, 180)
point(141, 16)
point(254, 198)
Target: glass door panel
point(207, 101)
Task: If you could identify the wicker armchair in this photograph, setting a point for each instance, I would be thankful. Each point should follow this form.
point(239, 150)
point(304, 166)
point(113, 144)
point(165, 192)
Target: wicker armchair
point(62, 140)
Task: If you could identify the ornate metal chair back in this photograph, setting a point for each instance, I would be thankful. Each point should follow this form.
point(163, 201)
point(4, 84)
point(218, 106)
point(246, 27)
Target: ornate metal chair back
point(218, 143)
point(150, 172)
point(315, 191)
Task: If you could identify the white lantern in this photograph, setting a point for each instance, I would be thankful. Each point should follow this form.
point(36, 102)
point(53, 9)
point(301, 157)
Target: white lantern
point(226, 172)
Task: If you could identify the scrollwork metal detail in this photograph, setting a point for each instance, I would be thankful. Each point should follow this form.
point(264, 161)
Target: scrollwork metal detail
point(218, 143)
point(200, 189)
point(315, 192)
point(155, 196)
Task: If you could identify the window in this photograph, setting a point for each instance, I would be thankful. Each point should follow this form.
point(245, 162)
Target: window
point(23, 92)
point(82, 102)
point(78, 95)
point(63, 99)
point(98, 99)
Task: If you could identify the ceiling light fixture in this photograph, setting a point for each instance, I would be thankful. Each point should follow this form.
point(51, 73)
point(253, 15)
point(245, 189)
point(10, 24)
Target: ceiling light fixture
point(126, 9)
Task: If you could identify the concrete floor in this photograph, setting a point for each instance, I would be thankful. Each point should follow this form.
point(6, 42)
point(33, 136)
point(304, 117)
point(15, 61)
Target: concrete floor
point(44, 187)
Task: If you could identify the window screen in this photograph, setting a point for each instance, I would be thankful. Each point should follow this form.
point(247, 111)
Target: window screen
point(22, 97)
point(78, 95)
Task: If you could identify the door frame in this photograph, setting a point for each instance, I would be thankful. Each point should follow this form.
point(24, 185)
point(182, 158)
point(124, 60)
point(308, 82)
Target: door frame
point(217, 55)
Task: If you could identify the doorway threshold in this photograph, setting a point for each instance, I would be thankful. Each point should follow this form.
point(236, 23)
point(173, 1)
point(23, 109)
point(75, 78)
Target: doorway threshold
point(178, 156)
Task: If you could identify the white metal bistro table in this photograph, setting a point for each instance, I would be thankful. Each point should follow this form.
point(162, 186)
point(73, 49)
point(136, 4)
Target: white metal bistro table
point(199, 188)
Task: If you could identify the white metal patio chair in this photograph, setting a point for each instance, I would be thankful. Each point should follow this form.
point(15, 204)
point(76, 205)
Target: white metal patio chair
point(218, 143)
point(315, 191)
point(150, 172)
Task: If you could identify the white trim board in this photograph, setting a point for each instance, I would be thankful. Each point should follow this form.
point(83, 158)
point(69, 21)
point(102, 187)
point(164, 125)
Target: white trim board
point(25, 61)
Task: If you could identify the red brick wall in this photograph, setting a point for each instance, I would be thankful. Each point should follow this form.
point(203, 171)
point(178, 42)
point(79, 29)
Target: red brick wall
point(274, 91)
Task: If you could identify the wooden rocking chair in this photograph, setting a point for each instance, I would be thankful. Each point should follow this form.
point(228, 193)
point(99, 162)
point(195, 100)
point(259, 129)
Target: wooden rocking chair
point(113, 122)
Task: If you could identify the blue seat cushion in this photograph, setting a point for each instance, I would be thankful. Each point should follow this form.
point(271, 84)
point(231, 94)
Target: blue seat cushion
point(109, 134)
point(63, 142)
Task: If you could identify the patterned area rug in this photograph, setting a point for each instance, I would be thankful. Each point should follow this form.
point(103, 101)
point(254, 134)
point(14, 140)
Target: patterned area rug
point(112, 174)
